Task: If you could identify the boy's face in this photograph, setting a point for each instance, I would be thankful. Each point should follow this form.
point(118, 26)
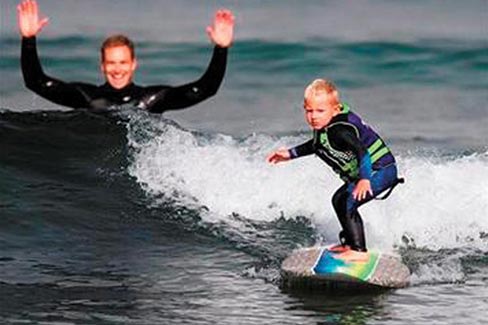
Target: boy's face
point(118, 66)
point(319, 110)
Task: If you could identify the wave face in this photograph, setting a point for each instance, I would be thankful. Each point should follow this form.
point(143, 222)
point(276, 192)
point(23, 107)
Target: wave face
point(85, 194)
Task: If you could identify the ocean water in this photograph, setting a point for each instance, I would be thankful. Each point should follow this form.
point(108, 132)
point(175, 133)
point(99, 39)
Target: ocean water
point(124, 217)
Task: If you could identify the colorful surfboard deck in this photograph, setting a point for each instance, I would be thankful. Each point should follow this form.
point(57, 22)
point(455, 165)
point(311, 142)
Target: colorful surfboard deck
point(334, 267)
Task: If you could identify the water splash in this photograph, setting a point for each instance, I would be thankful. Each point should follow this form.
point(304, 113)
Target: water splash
point(440, 206)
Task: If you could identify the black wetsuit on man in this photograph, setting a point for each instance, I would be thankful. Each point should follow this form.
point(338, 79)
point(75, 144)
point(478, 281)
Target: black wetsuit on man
point(155, 99)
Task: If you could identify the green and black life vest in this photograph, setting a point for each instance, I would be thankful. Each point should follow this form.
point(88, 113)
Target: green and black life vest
point(345, 162)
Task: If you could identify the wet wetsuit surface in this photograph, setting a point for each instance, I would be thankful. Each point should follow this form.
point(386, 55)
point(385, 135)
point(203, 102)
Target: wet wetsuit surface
point(156, 99)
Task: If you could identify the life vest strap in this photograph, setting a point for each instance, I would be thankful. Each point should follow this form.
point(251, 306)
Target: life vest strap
point(400, 180)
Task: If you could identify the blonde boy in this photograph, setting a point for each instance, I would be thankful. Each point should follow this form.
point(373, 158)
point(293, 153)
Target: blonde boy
point(353, 150)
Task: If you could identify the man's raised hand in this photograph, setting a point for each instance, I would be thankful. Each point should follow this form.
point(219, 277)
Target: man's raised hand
point(28, 17)
point(221, 32)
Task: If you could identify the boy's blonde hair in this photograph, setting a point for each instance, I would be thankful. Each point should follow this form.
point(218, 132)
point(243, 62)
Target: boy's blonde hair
point(320, 87)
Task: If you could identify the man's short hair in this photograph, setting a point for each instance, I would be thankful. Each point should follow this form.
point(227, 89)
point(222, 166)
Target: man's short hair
point(117, 40)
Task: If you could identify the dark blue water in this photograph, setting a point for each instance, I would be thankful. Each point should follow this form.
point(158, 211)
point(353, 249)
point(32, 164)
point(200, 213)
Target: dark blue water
point(123, 217)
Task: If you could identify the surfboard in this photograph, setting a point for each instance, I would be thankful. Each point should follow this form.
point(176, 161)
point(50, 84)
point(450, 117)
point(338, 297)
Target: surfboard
point(328, 267)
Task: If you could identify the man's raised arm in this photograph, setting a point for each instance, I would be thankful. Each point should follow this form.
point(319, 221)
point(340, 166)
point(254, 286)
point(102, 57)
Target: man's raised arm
point(35, 79)
point(221, 33)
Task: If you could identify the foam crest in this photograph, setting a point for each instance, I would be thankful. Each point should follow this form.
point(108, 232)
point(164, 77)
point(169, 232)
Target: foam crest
point(449, 271)
point(228, 175)
point(442, 205)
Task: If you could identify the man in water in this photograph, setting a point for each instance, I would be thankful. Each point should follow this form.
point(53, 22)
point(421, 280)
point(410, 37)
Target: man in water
point(353, 150)
point(118, 65)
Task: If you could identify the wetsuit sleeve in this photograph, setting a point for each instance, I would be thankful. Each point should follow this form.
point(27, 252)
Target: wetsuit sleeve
point(346, 137)
point(73, 95)
point(174, 98)
point(302, 150)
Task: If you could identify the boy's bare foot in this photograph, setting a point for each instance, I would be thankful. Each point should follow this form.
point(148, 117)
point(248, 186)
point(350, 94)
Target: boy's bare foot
point(353, 256)
point(339, 248)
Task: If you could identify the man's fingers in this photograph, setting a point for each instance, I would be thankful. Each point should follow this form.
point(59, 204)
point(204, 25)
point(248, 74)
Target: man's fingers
point(22, 7)
point(209, 31)
point(26, 8)
point(43, 22)
point(228, 16)
point(224, 15)
point(30, 8)
point(35, 9)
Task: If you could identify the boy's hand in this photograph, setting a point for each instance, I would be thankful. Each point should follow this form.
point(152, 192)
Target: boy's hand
point(362, 189)
point(279, 155)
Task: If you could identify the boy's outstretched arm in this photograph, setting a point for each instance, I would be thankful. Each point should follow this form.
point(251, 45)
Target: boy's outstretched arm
point(282, 154)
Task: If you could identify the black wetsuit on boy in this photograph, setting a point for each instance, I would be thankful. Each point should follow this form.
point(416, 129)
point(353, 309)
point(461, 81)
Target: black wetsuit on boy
point(155, 99)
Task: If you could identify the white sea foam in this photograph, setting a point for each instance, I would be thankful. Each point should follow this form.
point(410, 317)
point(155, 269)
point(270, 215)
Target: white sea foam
point(444, 203)
point(446, 271)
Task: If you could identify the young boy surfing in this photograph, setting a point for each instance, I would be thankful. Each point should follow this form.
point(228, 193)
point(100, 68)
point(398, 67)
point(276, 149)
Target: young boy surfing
point(353, 150)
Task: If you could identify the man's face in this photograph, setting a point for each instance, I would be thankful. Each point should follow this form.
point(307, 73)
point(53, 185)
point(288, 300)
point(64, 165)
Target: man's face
point(319, 110)
point(118, 66)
